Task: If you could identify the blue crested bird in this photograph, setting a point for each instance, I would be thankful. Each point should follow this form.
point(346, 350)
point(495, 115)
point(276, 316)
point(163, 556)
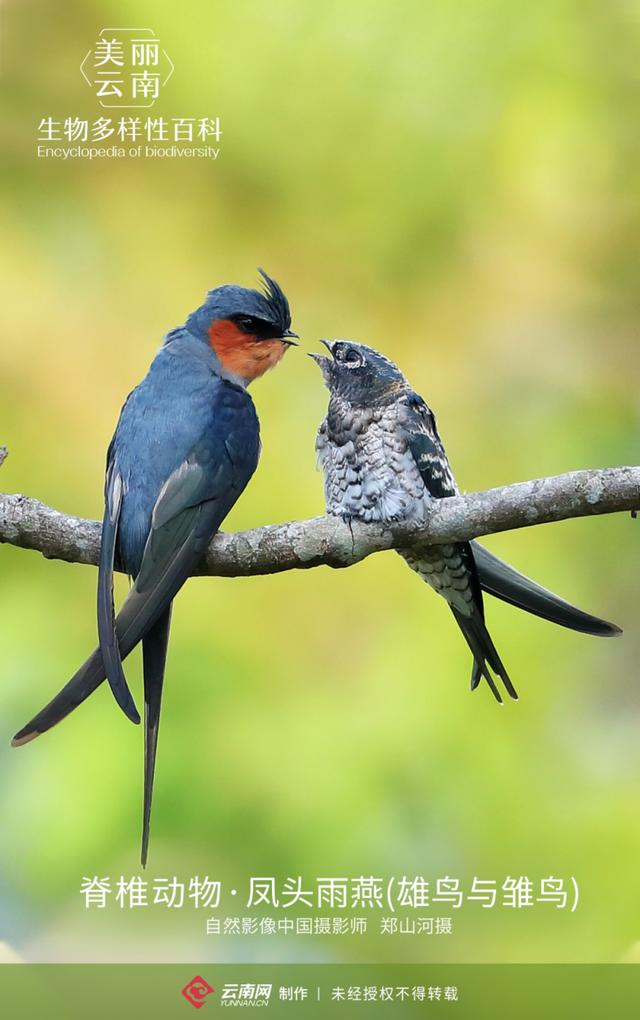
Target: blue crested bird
point(383, 460)
point(185, 446)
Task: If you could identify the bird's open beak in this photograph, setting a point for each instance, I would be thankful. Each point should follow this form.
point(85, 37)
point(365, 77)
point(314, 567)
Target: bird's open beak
point(320, 358)
point(288, 338)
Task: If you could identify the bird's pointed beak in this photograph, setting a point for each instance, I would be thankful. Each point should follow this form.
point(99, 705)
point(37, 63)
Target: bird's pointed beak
point(325, 365)
point(289, 337)
point(321, 359)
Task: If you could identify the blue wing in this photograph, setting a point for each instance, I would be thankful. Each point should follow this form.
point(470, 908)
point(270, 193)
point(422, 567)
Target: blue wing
point(188, 511)
point(106, 613)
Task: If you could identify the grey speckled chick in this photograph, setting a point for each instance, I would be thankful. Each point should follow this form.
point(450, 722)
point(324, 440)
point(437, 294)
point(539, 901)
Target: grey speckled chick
point(383, 460)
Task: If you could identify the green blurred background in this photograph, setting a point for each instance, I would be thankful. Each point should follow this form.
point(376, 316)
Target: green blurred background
point(457, 184)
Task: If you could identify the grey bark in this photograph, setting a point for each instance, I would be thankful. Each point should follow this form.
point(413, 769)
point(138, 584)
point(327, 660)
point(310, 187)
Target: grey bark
point(29, 524)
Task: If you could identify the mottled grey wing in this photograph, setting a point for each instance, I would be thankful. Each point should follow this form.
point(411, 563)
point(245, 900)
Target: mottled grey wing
point(429, 454)
point(427, 449)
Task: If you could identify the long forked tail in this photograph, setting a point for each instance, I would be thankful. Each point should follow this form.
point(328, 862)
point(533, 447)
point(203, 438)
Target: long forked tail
point(154, 654)
point(137, 615)
point(80, 686)
point(484, 653)
point(161, 576)
point(505, 582)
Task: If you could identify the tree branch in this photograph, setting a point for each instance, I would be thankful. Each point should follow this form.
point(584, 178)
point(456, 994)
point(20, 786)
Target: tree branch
point(29, 524)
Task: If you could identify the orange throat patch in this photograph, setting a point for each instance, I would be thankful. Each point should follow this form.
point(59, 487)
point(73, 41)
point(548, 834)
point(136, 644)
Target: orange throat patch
point(240, 353)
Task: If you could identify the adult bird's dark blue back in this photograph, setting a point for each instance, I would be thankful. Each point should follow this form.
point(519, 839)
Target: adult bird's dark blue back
point(185, 446)
point(383, 460)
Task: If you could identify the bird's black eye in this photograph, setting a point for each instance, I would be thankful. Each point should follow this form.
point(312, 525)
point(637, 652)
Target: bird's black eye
point(352, 358)
point(247, 323)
